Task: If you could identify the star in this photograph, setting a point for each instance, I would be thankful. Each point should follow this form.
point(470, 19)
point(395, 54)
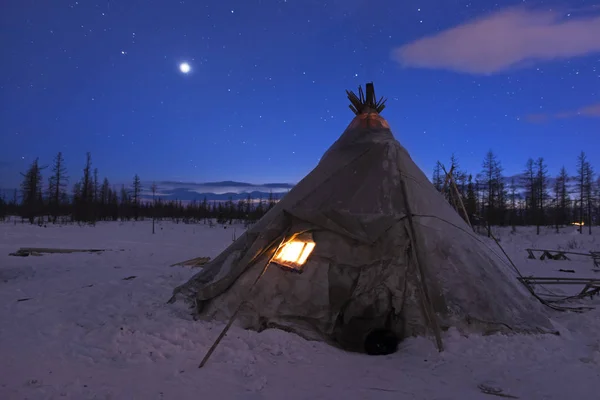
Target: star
point(185, 67)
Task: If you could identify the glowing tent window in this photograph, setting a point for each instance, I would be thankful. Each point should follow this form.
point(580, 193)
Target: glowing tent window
point(294, 254)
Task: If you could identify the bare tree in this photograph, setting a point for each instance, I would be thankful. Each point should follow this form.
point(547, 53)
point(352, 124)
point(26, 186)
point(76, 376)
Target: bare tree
point(542, 191)
point(513, 203)
point(529, 182)
point(135, 198)
point(31, 191)
point(84, 194)
point(57, 184)
point(96, 187)
point(562, 195)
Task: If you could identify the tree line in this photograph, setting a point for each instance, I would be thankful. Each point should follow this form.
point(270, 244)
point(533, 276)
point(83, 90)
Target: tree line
point(532, 197)
point(91, 200)
point(489, 198)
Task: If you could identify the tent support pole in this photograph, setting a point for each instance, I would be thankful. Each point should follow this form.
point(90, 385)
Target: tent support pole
point(234, 316)
point(450, 178)
point(426, 302)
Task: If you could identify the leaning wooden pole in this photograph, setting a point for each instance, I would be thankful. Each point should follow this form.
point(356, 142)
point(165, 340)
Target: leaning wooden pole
point(460, 201)
point(447, 177)
point(421, 275)
point(239, 307)
point(450, 178)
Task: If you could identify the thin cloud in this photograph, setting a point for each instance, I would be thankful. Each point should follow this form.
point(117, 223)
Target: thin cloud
point(537, 118)
point(591, 111)
point(504, 40)
point(220, 187)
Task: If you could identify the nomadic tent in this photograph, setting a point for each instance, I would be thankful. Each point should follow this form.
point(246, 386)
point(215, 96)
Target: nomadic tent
point(364, 244)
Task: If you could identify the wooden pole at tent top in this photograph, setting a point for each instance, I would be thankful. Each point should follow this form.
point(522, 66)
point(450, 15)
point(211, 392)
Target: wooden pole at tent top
point(455, 193)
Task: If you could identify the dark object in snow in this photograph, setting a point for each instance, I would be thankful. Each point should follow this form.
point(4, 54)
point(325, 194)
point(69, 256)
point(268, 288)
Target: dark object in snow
point(495, 391)
point(551, 254)
point(381, 342)
point(591, 287)
point(129, 278)
point(596, 259)
point(35, 251)
point(25, 299)
point(572, 271)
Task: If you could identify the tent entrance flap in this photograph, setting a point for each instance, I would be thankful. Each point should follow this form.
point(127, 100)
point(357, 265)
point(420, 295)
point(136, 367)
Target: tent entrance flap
point(294, 253)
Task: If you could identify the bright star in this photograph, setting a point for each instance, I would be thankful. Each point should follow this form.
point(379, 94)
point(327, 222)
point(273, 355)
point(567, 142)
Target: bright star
point(184, 67)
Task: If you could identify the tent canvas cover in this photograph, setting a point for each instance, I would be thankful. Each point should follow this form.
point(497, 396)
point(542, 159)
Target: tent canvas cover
point(364, 243)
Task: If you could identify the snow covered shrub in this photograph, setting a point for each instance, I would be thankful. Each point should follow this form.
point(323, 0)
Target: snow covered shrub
point(572, 244)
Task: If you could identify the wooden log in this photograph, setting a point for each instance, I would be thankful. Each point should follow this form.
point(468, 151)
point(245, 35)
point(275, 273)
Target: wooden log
point(530, 254)
point(595, 258)
point(52, 250)
point(530, 251)
point(29, 251)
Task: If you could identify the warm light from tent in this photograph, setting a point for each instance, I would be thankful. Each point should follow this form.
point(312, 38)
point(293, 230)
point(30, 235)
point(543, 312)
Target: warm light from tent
point(578, 223)
point(294, 253)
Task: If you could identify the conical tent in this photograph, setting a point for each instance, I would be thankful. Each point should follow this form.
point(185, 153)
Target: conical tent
point(364, 243)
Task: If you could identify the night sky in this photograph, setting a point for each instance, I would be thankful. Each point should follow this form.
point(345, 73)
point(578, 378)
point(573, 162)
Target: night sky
point(264, 97)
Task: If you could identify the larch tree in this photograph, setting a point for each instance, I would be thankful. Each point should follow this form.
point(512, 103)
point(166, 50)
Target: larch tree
point(493, 188)
point(471, 203)
point(135, 198)
point(529, 183)
point(513, 203)
point(542, 192)
point(31, 190)
point(125, 201)
point(562, 196)
point(105, 192)
point(96, 188)
point(85, 189)
point(57, 184)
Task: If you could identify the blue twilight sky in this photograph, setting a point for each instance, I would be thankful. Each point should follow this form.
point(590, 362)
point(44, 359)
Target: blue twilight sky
point(265, 94)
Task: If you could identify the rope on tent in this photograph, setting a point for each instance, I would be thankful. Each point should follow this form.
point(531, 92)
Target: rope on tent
point(421, 276)
point(512, 264)
point(545, 302)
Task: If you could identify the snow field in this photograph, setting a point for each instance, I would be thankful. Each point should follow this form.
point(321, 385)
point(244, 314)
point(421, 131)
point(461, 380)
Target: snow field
point(87, 333)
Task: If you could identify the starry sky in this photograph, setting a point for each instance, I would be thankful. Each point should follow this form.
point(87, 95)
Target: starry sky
point(265, 94)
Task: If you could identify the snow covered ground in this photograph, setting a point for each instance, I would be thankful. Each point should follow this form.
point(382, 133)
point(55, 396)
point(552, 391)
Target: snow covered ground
point(82, 331)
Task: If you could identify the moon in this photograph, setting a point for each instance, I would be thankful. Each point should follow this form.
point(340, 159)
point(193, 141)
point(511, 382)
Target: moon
point(185, 67)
